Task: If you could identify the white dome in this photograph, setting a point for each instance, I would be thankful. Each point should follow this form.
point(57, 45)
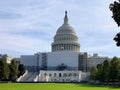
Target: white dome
point(65, 38)
point(66, 29)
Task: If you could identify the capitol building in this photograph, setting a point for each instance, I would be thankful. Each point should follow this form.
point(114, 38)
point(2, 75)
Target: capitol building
point(65, 62)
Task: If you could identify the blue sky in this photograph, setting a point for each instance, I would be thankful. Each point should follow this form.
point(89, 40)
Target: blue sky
point(28, 26)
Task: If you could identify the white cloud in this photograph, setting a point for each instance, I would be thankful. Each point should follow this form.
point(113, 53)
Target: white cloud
point(22, 43)
point(34, 23)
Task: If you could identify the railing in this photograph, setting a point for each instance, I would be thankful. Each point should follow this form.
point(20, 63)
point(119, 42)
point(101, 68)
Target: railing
point(36, 78)
point(26, 72)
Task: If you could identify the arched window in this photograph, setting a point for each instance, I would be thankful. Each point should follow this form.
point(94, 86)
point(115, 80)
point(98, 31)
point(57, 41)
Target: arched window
point(50, 74)
point(45, 74)
point(75, 74)
point(55, 74)
point(60, 74)
point(70, 74)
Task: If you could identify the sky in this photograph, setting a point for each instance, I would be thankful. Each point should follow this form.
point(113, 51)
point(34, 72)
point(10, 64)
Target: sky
point(28, 26)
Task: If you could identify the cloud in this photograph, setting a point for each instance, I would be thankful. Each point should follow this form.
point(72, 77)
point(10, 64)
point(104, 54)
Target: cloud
point(9, 15)
point(22, 43)
point(28, 26)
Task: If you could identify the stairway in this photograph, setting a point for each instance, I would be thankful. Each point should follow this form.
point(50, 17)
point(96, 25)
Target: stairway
point(29, 77)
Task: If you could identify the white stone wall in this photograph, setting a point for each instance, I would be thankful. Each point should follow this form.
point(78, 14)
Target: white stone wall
point(94, 60)
point(53, 59)
point(39, 58)
point(60, 76)
point(28, 60)
point(68, 58)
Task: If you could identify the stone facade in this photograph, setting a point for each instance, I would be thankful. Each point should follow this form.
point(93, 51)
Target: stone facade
point(62, 76)
point(51, 60)
point(94, 60)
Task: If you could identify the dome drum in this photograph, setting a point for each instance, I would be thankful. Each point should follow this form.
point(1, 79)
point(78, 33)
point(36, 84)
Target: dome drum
point(66, 47)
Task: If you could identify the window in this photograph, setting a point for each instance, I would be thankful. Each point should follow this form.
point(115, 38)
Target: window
point(60, 75)
point(50, 74)
point(70, 74)
point(45, 74)
point(75, 74)
point(55, 74)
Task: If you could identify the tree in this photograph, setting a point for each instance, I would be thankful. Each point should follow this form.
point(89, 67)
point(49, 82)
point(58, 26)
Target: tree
point(94, 72)
point(117, 39)
point(100, 69)
point(105, 71)
point(115, 70)
point(13, 70)
point(118, 67)
point(21, 69)
point(108, 71)
point(4, 70)
point(115, 8)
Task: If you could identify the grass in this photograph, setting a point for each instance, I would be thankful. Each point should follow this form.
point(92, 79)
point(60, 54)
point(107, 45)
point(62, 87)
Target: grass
point(53, 86)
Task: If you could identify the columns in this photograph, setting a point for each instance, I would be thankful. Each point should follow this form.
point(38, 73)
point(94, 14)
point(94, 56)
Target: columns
point(66, 47)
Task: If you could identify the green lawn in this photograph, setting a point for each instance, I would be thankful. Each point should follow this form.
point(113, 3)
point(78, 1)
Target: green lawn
point(52, 86)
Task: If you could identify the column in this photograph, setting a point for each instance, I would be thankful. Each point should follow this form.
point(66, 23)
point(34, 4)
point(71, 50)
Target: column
point(71, 47)
point(54, 47)
point(58, 46)
point(75, 47)
point(65, 46)
point(68, 47)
